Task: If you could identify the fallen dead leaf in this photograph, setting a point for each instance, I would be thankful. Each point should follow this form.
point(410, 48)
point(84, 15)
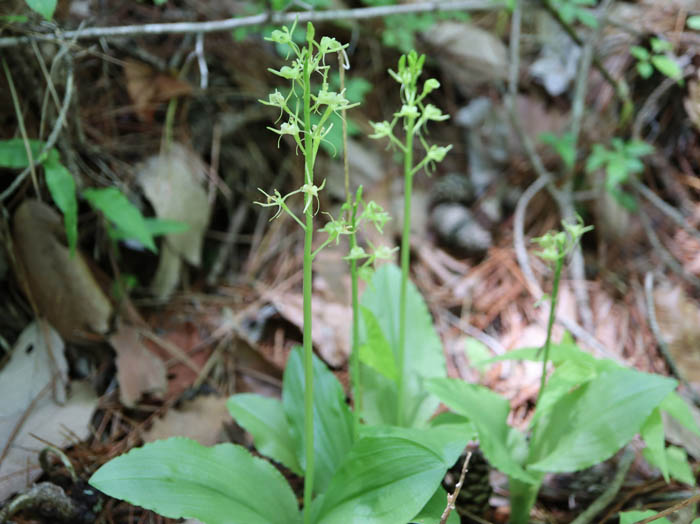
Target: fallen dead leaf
point(36, 362)
point(47, 422)
point(147, 88)
point(61, 286)
point(138, 370)
point(330, 330)
point(172, 182)
point(679, 321)
point(201, 419)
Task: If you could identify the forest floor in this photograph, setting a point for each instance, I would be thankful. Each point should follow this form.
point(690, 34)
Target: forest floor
point(155, 342)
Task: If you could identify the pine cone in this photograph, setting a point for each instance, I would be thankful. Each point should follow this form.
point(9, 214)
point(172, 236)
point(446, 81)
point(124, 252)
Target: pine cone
point(476, 491)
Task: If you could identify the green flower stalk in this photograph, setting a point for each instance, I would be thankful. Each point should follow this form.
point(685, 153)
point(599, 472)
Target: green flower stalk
point(556, 245)
point(415, 115)
point(307, 61)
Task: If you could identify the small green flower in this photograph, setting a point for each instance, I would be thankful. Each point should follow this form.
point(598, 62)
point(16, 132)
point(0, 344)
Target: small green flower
point(381, 129)
point(375, 214)
point(275, 99)
point(437, 153)
point(429, 86)
point(290, 73)
point(408, 111)
point(356, 253)
point(330, 45)
point(434, 113)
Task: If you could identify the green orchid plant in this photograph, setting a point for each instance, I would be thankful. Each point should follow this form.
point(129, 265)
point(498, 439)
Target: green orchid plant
point(375, 474)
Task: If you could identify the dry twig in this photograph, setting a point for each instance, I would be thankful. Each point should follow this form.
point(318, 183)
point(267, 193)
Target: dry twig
point(451, 498)
point(275, 18)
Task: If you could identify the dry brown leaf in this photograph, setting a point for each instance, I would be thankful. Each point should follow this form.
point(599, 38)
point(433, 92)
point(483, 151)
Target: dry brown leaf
point(36, 362)
point(692, 101)
point(201, 419)
point(61, 286)
point(330, 330)
point(47, 422)
point(172, 182)
point(147, 88)
point(679, 321)
point(138, 370)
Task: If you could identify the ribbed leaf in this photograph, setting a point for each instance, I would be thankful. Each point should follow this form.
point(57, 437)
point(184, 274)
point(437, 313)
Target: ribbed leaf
point(609, 412)
point(333, 430)
point(264, 418)
point(384, 480)
point(179, 478)
point(488, 411)
point(424, 357)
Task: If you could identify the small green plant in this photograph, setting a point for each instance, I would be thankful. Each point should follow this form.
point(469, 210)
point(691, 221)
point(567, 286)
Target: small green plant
point(125, 221)
point(571, 11)
point(589, 409)
point(619, 162)
point(660, 57)
point(563, 145)
point(352, 473)
point(414, 115)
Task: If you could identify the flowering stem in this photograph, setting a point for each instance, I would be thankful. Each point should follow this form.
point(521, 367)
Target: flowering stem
point(355, 353)
point(405, 258)
point(550, 323)
point(307, 276)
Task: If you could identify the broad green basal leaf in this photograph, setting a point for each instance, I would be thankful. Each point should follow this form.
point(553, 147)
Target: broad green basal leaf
point(333, 430)
point(179, 478)
point(375, 351)
point(488, 411)
point(570, 374)
point(384, 480)
point(675, 406)
point(424, 357)
point(679, 466)
point(264, 418)
point(446, 440)
point(609, 412)
point(652, 433)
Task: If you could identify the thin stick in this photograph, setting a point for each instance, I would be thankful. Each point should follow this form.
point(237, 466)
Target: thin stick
point(453, 497)
point(666, 257)
point(22, 128)
point(672, 509)
point(262, 18)
point(665, 208)
point(50, 141)
point(610, 492)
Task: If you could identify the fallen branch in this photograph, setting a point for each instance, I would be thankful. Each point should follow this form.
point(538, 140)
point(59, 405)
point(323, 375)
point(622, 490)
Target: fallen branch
point(276, 18)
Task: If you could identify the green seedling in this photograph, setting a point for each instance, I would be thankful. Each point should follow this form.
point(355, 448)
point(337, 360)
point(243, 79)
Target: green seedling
point(572, 11)
point(620, 162)
point(124, 220)
point(660, 57)
point(563, 145)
